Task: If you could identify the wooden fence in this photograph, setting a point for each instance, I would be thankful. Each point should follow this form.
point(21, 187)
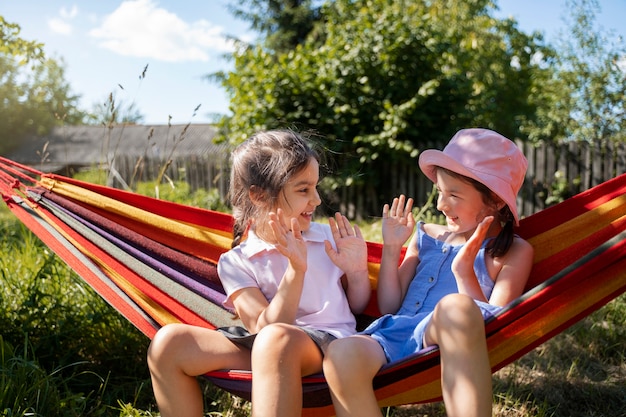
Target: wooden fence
point(554, 172)
point(199, 171)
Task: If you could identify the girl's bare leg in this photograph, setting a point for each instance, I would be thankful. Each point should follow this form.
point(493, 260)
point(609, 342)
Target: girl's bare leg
point(350, 366)
point(458, 328)
point(177, 354)
point(281, 356)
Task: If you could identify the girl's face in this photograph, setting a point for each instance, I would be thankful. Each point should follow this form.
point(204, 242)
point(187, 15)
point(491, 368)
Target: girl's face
point(299, 197)
point(461, 203)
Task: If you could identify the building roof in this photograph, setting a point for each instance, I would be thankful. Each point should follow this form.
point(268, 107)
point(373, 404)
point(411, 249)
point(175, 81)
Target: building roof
point(90, 145)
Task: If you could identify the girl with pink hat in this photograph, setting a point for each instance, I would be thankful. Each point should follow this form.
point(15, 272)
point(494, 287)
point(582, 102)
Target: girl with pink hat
point(450, 280)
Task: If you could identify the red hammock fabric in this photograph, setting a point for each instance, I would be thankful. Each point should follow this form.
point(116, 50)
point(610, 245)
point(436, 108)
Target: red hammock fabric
point(154, 261)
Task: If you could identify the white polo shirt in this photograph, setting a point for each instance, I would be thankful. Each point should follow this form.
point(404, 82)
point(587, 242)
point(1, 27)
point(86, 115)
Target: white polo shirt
point(323, 303)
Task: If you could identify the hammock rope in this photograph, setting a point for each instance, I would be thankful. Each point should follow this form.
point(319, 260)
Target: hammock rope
point(155, 262)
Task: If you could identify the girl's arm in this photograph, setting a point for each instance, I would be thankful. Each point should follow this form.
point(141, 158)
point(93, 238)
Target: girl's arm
point(394, 278)
point(463, 263)
point(514, 272)
point(351, 258)
point(512, 269)
point(254, 310)
point(250, 304)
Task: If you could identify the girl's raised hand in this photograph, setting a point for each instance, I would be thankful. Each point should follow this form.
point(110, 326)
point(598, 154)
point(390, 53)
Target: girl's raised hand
point(289, 240)
point(351, 253)
point(463, 263)
point(398, 221)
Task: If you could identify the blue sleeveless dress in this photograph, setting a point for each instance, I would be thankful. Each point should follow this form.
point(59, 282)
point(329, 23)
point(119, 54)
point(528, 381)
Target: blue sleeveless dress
point(402, 334)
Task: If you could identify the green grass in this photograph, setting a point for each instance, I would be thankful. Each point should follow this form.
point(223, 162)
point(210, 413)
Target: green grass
point(66, 352)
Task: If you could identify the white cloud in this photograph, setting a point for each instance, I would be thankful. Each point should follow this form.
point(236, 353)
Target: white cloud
point(69, 14)
point(139, 28)
point(57, 25)
point(60, 24)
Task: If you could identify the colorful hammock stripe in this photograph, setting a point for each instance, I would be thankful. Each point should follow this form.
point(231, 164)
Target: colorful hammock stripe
point(154, 261)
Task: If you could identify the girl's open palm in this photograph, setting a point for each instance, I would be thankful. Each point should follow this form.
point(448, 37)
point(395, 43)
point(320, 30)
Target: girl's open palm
point(351, 253)
point(398, 221)
point(289, 242)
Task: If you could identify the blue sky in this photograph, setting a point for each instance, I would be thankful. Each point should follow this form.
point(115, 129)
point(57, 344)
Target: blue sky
point(105, 46)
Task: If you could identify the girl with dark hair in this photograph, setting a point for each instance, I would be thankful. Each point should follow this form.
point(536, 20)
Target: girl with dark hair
point(294, 283)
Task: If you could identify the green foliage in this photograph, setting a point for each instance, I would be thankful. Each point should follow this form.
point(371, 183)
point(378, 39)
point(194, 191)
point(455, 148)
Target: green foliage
point(390, 78)
point(585, 99)
point(28, 389)
point(387, 79)
point(127, 410)
point(593, 67)
point(284, 24)
point(65, 350)
point(560, 189)
point(34, 99)
point(11, 44)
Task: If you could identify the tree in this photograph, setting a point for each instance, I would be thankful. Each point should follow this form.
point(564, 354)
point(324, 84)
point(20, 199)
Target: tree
point(34, 100)
point(11, 44)
point(34, 97)
point(390, 78)
point(284, 24)
point(585, 100)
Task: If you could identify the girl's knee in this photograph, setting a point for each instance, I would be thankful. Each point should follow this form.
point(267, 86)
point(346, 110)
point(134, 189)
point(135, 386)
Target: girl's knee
point(334, 354)
point(456, 322)
point(338, 363)
point(276, 337)
point(162, 344)
point(457, 310)
point(280, 341)
point(341, 351)
point(353, 357)
point(282, 348)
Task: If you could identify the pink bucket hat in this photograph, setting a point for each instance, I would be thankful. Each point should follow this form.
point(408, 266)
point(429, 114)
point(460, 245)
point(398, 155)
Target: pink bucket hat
point(485, 156)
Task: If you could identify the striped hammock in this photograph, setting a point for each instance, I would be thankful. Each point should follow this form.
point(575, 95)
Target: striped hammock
point(155, 262)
